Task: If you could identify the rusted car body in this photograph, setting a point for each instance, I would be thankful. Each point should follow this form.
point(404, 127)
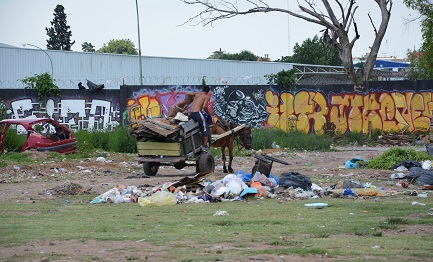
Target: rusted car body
point(41, 134)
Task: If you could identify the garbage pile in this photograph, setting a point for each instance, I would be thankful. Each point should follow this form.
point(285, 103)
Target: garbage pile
point(419, 173)
point(262, 184)
point(233, 187)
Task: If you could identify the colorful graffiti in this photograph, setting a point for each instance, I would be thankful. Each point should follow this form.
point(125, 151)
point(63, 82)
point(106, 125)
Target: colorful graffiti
point(149, 102)
point(231, 105)
point(386, 111)
point(75, 113)
point(387, 106)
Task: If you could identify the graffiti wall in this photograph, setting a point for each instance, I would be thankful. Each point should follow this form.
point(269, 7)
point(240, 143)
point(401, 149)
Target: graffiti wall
point(387, 106)
point(78, 109)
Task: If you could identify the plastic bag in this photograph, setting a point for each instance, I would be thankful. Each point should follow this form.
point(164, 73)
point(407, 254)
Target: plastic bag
point(426, 165)
point(160, 198)
point(295, 180)
point(261, 191)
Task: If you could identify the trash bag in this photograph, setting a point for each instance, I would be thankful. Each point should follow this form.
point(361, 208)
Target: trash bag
point(351, 164)
point(295, 180)
point(407, 164)
point(429, 148)
point(420, 176)
point(261, 191)
point(94, 87)
point(160, 198)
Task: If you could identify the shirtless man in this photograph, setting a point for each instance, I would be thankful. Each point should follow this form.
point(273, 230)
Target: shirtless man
point(201, 100)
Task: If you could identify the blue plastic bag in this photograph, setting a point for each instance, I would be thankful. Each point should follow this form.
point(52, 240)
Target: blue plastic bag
point(351, 164)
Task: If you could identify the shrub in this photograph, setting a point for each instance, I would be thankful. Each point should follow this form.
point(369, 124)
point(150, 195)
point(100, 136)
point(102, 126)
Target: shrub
point(394, 156)
point(119, 140)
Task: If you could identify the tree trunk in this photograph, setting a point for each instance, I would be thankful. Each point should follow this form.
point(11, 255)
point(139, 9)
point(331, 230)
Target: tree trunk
point(345, 50)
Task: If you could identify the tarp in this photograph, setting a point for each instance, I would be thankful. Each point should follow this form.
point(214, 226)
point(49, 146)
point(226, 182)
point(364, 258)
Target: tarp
point(420, 176)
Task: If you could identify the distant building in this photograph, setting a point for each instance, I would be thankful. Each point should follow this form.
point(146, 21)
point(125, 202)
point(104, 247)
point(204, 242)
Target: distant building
point(397, 68)
point(113, 70)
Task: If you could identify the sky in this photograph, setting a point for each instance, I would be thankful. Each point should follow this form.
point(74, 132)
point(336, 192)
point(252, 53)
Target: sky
point(164, 34)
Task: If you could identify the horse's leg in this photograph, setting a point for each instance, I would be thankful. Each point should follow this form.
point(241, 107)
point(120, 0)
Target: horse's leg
point(230, 146)
point(223, 157)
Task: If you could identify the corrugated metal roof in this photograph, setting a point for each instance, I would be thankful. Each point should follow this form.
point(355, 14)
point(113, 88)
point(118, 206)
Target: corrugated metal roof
point(113, 70)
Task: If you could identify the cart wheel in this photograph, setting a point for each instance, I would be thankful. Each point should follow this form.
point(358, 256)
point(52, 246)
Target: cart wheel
point(150, 168)
point(180, 165)
point(206, 163)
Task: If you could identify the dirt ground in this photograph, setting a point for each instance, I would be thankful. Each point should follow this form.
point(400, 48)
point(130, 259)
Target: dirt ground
point(50, 178)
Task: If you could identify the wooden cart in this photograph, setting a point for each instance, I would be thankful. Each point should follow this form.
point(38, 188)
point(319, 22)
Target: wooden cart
point(162, 144)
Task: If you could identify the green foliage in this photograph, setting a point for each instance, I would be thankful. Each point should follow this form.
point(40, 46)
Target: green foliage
point(394, 156)
point(313, 51)
point(13, 142)
point(11, 158)
point(44, 84)
point(3, 109)
point(59, 33)
point(296, 140)
point(284, 78)
point(88, 47)
point(119, 46)
point(244, 55)
point(120, 140)
point(421, 67)
point(353, 138)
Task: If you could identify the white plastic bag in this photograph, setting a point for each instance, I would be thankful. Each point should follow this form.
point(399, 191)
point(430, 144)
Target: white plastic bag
point(426, 165)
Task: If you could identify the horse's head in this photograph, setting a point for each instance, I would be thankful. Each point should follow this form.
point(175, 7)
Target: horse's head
point(246, 137)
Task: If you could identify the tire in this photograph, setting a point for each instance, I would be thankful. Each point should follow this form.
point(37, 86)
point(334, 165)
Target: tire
point(205, 163)
point(150, 168)
point(180, 165)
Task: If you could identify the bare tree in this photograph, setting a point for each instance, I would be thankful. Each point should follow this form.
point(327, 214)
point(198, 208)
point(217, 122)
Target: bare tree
point(336, 29)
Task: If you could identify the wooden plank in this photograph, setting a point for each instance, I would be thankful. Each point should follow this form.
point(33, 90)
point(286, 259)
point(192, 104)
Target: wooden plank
point(158, 152)
point(163, 125)
point(158, 145)
point(216, 137)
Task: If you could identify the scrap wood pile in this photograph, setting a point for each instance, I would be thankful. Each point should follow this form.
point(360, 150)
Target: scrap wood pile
point(395, 139)
point(155, 128)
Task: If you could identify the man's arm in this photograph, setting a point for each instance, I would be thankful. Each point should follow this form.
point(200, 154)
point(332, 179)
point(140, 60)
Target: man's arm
point(205, 105)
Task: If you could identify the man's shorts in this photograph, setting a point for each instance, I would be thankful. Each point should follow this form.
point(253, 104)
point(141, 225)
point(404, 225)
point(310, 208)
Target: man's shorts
point(198, 117)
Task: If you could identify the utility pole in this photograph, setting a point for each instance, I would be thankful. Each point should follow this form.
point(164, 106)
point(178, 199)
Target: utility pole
point(139, 44)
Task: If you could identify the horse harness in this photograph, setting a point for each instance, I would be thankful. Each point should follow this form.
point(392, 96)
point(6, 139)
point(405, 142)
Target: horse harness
point(226, 126)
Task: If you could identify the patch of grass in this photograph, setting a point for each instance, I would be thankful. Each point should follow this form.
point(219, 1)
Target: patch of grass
point(267, 223)
point(13, 142)
point(223, 223)
point(296, 140)
point(397, 221)
point(120, 140)
point(14, 157)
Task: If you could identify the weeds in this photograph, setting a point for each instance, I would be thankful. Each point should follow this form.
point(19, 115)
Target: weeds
point(119, 140)
point(295, 140)
point(394, 156)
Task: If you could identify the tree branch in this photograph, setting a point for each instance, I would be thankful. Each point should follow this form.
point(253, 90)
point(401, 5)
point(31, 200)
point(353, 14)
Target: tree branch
point(372, 24)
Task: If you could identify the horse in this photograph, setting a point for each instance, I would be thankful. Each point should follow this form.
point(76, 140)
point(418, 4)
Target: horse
point(242, 136)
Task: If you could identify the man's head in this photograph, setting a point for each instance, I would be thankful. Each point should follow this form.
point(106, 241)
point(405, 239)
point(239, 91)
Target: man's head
point(206, 88)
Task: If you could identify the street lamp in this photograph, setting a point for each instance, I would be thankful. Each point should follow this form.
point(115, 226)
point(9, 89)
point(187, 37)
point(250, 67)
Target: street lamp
point(51, 61)
point(139, 44)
